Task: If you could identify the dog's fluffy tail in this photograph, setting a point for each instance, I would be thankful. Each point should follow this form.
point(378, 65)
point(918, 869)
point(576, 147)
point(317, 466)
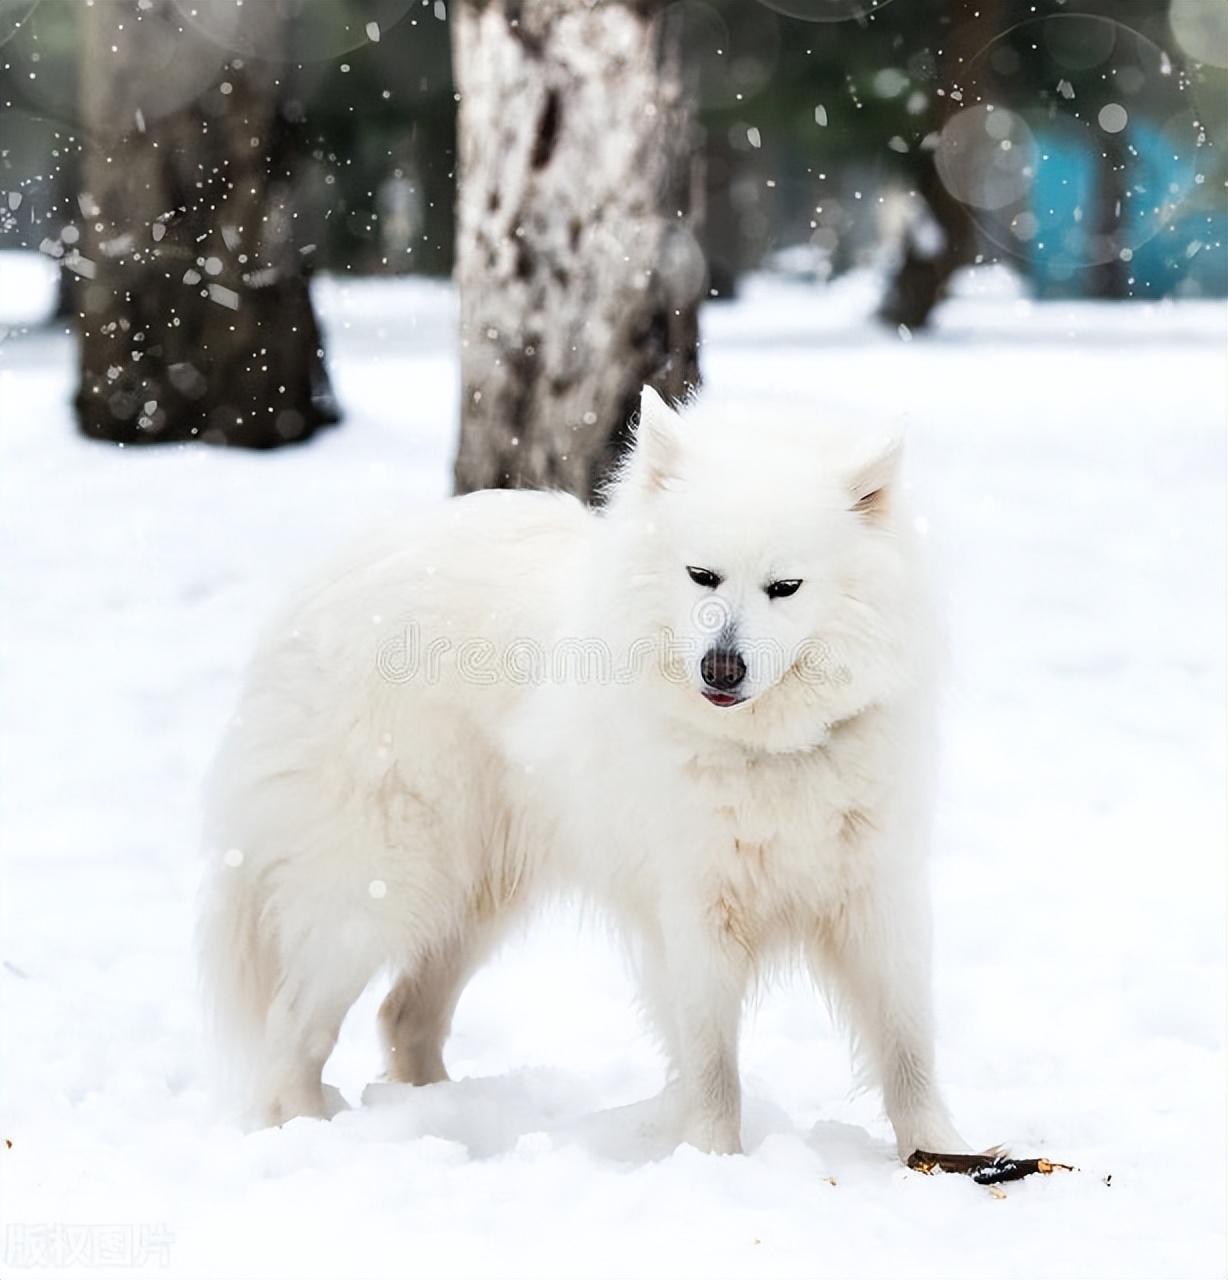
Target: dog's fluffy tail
point(240, 973)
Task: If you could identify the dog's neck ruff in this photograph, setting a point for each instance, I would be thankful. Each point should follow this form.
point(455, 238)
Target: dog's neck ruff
point(750, 753)
point(830, 730)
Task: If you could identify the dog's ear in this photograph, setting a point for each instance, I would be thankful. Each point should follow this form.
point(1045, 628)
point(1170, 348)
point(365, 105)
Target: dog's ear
point(656, 442)
point(874, 481)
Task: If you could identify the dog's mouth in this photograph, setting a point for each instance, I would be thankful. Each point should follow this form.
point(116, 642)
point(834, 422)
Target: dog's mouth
point(719, 699)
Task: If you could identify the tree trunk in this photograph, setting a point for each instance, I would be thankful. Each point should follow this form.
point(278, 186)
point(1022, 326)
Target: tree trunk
point(933, 253)
point(196, 322)
point(579, 270)
point(1109, 276)
point(935, 250)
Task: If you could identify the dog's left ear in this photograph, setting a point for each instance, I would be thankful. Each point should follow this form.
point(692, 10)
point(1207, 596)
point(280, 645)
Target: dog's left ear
point(656, 442)
point(873, 483)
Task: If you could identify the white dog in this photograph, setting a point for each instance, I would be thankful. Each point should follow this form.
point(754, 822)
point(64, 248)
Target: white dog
point(704, 707)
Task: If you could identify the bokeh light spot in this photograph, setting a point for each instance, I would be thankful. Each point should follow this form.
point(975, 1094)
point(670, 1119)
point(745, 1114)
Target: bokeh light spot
point(1201, 29)
point(986, 157)
point(1113, 117)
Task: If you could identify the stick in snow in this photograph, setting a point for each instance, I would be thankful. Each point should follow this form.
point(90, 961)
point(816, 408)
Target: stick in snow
point(988, 1168)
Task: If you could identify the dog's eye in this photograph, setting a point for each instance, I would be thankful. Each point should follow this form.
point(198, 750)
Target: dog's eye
point(785, 587)
point(704, 577)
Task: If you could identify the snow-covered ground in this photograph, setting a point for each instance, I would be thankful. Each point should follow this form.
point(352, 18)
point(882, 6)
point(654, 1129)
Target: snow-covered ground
point(1069, 462)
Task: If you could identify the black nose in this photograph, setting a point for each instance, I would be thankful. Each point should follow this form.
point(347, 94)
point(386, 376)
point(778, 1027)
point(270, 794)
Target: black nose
point(723, 669)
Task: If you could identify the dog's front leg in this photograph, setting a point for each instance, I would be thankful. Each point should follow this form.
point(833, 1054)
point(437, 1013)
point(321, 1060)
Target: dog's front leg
point(704, 976)
point(877, 965)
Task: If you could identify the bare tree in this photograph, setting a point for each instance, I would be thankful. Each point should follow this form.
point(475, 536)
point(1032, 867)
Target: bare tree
point(196, 322)
point(578, 267)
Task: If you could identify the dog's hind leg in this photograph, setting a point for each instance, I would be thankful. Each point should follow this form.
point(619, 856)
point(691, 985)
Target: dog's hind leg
point(278, 983)
point(416, 1015)
point(303, 1023)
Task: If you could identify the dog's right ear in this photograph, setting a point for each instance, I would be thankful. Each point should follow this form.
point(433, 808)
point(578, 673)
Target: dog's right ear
point(655, 454)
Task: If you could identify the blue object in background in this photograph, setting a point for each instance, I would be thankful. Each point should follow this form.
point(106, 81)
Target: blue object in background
point(1177, 253)
point(1187, 255)
point(1064, 204)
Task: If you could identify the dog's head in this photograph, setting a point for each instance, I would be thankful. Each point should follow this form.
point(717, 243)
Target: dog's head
point(770, 561)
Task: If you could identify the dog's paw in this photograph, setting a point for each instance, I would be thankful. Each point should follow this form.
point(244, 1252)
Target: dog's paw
point(713, 1136)
point(936, 1133)
point(334, 1102)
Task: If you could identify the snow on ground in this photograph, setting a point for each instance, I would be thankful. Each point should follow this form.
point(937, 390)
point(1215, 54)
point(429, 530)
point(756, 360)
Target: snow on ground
point(1069, 461)
point(29, 285)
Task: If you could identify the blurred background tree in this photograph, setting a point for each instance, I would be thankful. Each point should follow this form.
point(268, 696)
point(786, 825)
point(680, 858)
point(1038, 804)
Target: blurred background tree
point(1084, 151)
point(194, 313)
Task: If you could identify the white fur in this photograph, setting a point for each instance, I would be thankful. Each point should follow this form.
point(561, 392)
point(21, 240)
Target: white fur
point(401, 781)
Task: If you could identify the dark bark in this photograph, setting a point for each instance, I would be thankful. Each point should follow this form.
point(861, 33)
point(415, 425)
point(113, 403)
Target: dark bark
point(577, 263)
point(989, 1168)
point(921, 280)
point(1109, 276)
point(196, 320)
